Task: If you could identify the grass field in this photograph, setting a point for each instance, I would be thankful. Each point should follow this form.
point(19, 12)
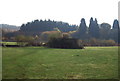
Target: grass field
point(46, 63)
point(9, 43)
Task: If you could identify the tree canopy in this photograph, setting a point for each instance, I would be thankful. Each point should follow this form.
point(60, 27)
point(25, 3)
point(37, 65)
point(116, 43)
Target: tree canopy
point(46, 25)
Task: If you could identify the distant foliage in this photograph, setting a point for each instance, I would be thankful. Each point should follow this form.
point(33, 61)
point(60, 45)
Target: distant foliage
point(48, 29)
point(26, 40)
point(98, 42)
point(98, 31)
point(105, 30)
point(94, 28)
point(47, 35)
point(66, 43)
point(66, 35)
point(47, 25)
point(21, 39)
point(82, 31)
point(115, 24)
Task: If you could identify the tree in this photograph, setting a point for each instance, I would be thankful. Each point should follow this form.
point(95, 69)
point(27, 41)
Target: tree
point(94, 28)
point(105, 29)
point(91, 26)
point(97, 31)
point(82, 29)
point(47, 35)
point(115, 24)
point(23, 40)
point(46, 25)
point(20, 40)
point(114, 30)
point(105, 26)
point(66, 35)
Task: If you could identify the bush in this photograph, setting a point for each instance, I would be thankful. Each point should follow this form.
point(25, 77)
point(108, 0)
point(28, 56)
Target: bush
point(47, 35)
point(24, 40)
point(67, 43)
point(98, 42)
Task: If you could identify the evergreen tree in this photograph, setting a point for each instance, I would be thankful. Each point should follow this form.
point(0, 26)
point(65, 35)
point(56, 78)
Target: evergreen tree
point(97, 30)
point(83, 27)
point(94, 28)
point(115, 24)
point(114, 31)
point(46, 25)
point(91, 26)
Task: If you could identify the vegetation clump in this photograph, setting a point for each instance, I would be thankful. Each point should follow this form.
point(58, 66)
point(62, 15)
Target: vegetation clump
point(66, 43)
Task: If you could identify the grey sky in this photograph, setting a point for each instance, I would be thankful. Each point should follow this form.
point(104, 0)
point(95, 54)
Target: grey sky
point(17, 12)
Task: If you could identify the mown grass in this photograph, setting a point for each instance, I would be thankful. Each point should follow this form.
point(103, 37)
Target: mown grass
point(46, 63)
point(9, 43)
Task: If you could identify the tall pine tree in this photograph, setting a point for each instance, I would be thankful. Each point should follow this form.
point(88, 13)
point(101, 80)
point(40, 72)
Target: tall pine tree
point(114, 31)
point(82, 29)
point(94, 28)
point(115, 24)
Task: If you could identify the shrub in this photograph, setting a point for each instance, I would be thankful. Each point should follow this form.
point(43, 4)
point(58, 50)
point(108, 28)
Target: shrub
point(47, 35)
point(66, 35)
point(67, 43)
point(24, 40)
point(98, 42)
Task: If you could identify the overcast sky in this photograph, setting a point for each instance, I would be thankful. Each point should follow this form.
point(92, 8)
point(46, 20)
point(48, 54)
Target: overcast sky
point(17, 12)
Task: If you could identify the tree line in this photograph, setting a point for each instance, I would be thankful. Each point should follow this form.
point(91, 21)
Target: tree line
point(102, 31)
point(48, 28)
point(46, 25)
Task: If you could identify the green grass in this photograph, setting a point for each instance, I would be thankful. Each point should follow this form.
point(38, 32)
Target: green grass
point(9, 43)
point(46, 63)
